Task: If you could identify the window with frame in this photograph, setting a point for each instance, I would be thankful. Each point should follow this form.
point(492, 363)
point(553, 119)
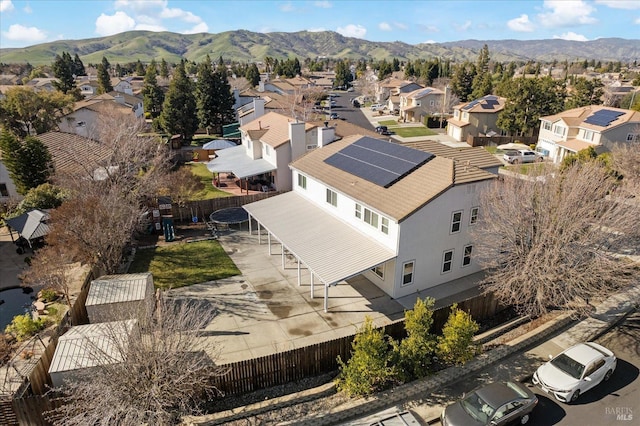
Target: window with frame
point(371, 218)
point(465, 115)
point(633, 137)
point(379, 271)
point(432, 103)
point(407, 273)
point(266, 149)
point(4, 191)
point(384, 225)
point(302, 181)
point(558, 130)
point(456, 220)
point(332, 198)
point(447, 261)
point(546, 125)
point(588, 135)
point(466, 255)
point(473, 217)
point(358, 211)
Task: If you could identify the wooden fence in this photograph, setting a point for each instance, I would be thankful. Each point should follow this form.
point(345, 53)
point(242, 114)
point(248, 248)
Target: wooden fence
point(203, 208)
point(499, 140)
point(321, 358)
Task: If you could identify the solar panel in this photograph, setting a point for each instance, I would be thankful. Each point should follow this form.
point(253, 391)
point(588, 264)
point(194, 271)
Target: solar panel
point(471, 104)
point(491, 98)
point(603, 117)
point(487, 106)
point(377, 161)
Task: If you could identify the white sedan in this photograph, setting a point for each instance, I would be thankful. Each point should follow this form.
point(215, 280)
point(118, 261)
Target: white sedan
point(575, 371)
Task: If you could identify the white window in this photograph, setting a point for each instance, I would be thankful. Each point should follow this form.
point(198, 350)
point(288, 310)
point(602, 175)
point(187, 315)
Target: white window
point(588, 135)
point(456, 114)
point(384, 227)
point(249, 143)
point(371, 218)
point(332, 198)
point(358, 211)
point(456, 220)
point(379, 271)
point(465, 115)
point(302, 181)
point(546, 125)
point(473, 217)
point(466, 255)
point(266, 149)
point(407, 273)
point(559, 130)
point(447, 261)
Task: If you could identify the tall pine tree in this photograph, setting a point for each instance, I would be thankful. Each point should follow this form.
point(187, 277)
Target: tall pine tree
point(153, 96)
point(104, 79)
point(178, 114)
point(63, 68)
point(214, 98)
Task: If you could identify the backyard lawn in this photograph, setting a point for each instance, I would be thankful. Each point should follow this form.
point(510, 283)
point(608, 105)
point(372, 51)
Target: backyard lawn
point(406, 132)
point(201, 172)
point(184, 264)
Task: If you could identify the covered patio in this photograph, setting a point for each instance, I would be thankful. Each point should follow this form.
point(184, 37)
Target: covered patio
point(31, 227)
point(331, 250)
point(252, 174)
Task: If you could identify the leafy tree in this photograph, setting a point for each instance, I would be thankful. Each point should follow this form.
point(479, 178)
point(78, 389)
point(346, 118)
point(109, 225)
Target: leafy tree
point(368, 370)
point(343, 74)
point(550, 241)
point(104, 78)
point(455, 346)
point(414, 353)
point(164, 69)
point(78, 66)
point(153, 96)
point(528, 99)
point(166, 371)
point(253, 75)
point(462, 80)
point(119, 70)
point(28, 162)
point(45, 196)
point(24, 326)
point(179, 109)
point(140, 68)
point(585, 92)
point(63, 67)
point(24, 111)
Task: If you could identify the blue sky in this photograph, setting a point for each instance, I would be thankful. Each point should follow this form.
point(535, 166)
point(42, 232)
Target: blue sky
point(24, 23)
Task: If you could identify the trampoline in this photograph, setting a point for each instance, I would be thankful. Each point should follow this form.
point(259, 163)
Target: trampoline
point(229, 216)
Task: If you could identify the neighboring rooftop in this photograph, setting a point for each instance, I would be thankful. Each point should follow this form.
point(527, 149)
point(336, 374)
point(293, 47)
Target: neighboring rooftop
point(118, 288)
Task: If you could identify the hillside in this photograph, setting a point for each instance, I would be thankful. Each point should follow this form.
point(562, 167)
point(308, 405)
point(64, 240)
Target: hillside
point(248, 46)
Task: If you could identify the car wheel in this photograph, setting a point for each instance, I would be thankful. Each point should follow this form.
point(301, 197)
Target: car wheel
point(524, 419)
point(575, 395)
point(608, 375)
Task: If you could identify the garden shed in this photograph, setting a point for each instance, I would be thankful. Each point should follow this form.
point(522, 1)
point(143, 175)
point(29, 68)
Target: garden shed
point(120, 297)
point(89, 346)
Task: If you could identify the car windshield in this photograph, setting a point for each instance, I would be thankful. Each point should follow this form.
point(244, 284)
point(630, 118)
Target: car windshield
point(477, 408)
point(569, 365)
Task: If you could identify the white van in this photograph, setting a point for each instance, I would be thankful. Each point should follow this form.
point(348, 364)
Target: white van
point(376, 107)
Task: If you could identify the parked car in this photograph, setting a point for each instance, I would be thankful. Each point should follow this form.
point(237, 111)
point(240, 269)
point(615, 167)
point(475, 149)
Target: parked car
point(381, 129)
point(350, 89)
point(575, 371)
point(376, 107)
point(497, 403)
point(522, 156)
point(334, 116)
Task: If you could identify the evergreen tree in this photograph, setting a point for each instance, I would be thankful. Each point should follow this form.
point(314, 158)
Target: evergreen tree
point(343, 75)
point(119, 71)
point(164, 69)
point(63, 70)
point(104, 79)
point(253, 75)
point(214, 98)
point(482, 84)
point(455, 346)
point(178, 114)
point(462, 80)
point(585, 92)
point(29, 162)
point(153, 96)
point(140, 71)
point(78, 66)
point(415, 352)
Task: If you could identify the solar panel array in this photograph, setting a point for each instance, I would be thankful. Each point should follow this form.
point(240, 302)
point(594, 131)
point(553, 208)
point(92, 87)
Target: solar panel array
point(377, 161)
point(423, 92)
point(471, 104)
point(603, 117)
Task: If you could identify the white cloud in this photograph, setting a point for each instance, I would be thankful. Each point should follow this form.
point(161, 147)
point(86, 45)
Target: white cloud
point(384, 26)
point(202, 27)
point(571, 36)
point(114, 24)
point(317, 29)
point(620, 4)
point(21, 33)
point(180, 14)
point(6, 6)
point(27, 9)
point(463, 27)
point(352, 30)
point(521, 24)
point(323, 4)
point(140, 6)
point(287, 7)
point(566, 13)
point(637, 21)
point(400, 26)
point(149, 27)
point(429, 28)
point(430, 42)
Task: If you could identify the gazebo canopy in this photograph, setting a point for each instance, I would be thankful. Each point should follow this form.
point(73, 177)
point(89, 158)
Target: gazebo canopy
point(218, 144)
point(30, 225)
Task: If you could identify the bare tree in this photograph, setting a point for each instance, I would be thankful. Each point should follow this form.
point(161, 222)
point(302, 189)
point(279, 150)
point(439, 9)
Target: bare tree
point(626, 161)
point(552, 239)
point(182, 186)
point(300, 103)
point(151, 373)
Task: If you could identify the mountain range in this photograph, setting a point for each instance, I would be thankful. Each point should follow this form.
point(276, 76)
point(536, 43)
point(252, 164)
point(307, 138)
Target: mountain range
point(247, 46)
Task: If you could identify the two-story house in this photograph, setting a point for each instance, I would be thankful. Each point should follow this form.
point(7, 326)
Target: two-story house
point(591, 126)
point(414, 106)
point(362, 206)
point(388, 91)
point(85, 115)
point(268, 144)
point(475, 118)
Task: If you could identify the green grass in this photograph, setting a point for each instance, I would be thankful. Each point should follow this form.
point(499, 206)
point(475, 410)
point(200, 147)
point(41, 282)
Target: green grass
point(184, 264)
point(388, 123)
point(492, 149)
point(201, 172)
point(409, 132)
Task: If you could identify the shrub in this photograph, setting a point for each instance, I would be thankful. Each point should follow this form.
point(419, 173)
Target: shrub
point(24, 326)
point(413, 354)
point(48, 295)
point(368, 370)
point(455, 346)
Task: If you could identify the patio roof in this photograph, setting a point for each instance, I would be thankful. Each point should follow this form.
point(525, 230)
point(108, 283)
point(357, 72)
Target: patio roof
point(30, 225)
point(235, 160)
point(332, 250)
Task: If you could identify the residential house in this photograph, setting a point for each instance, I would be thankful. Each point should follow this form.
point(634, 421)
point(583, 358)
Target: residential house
point(284, 85)
point(85, 347)
point(132, 101)
point(389, 90)
point(591, 126)
point(122, 85)
point(88, 88)
point(268, 144)
point(39, 84)
point(120, 297)
point(475, 118)
point(75, 155)
point(85, 115)
point(399, 216)
point(7, 187)
point(415, 105)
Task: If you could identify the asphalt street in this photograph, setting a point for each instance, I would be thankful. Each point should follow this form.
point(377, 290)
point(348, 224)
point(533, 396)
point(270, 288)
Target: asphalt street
point(347, 111)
